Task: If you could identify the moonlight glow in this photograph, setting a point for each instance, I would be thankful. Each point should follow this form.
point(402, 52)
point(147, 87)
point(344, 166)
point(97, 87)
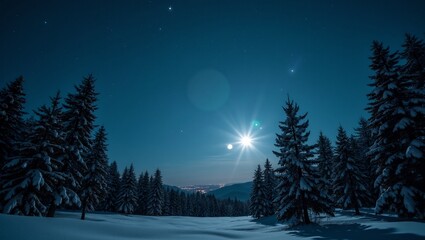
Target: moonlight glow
point(246, 141)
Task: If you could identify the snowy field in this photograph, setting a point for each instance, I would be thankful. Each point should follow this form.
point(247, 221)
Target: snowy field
point(67, 225)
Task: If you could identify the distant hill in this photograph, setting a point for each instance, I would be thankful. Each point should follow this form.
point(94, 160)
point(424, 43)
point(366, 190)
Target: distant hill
point(240, 191)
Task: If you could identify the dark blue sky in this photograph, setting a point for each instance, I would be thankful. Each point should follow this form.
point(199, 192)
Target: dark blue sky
point(177, 85)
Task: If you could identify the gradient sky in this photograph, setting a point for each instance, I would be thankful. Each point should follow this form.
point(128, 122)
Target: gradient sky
point(178, 80)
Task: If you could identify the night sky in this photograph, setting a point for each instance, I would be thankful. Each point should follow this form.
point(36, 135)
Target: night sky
point(180, 80)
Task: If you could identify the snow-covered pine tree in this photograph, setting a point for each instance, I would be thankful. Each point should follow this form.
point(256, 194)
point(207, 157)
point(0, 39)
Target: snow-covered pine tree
point(298, 181)
point(156, 195)
point(414, 69)
point(257, 207)
point(50, 126)
point(166, 206)
point(113, 187)
point(364, 139)
point(94, 185)
point(139, 208)
point(122, 187)
point(269, 188)
point(175, 207)
point(189, 204)
point(349, 181)
point(143, 193)
point(394, 121)
point(413, 73)
point(32, 179)
point(78, 120)
point(12, 100)
point(127, 197)
point(325, 161)
point(183, 204)
point(200, 205)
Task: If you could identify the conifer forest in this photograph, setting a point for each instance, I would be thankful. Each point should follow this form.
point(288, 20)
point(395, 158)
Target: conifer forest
point(212, 120)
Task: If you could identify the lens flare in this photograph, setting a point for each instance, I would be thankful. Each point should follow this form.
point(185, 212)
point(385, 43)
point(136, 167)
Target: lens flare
point(246, 141)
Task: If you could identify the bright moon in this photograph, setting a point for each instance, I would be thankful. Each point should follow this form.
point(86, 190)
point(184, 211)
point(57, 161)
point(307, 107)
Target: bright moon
point(229, 146)
point(246, 141)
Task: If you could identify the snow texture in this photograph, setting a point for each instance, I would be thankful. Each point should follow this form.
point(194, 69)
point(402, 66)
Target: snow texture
point(67, 225)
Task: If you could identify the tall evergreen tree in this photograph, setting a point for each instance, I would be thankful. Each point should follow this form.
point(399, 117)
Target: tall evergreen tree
point(365, 141)
point(50, 126)
point(298, 181)
point(414, 69)
point(396, 149)
point(78, 126)
point(12, 125)
point(156, 195)
point(94, 182)
point(349, 183)
point(12, 100)
point(143, 193)
point(325, 163)
point(166, 204)
point(113, 187)
point(127, 197)
point(413, 73)
point(33, 179)
point(257, 207)
point(269, 187)
point(175, 207)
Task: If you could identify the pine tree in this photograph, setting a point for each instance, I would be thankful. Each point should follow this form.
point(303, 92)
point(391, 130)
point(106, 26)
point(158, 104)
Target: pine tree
point(12, 100)
point(365, 141)
point(32, 179)
point(175, 207)
point(413, 73)
point(113, 185)
point(298, 181)
point(257, 207)
point(166, 205)
point(50, 126)
point(325, 163)
point(183, 204)
point(349, 181)
point(414, 69)
point(395, 117)
point(143, 193)
point(269, 187)
point(94, 182)
point(156, 195)
point(78, 126)
point(127, 197)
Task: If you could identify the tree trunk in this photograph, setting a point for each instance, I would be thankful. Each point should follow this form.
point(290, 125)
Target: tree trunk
point(83, 210)
point(306, 217)
point(356, 206)
point(52, 209)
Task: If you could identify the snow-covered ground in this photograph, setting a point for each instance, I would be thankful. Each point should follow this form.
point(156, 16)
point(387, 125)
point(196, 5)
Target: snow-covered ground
point(67, 225)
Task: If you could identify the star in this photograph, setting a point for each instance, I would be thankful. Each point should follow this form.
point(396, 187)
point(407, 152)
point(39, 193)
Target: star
point(292, 70)
point(45, 22)
point(170, 8)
